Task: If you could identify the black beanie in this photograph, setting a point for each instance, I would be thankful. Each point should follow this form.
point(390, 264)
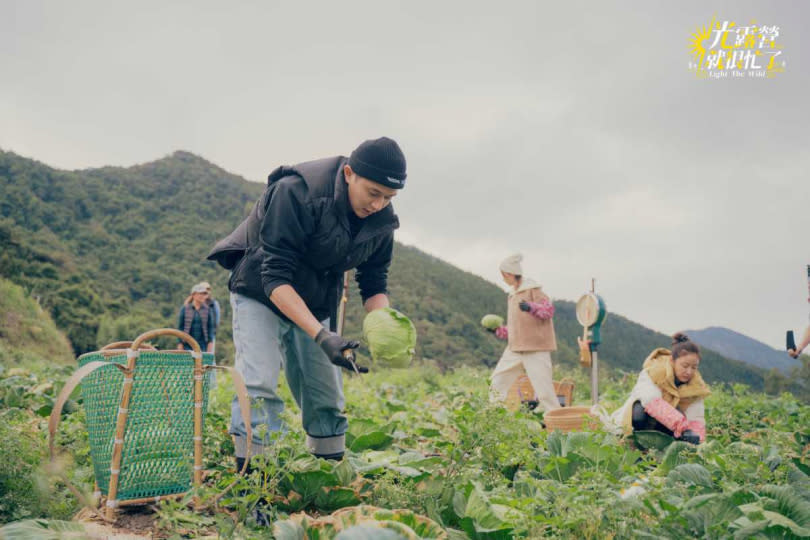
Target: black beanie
point(380, 160)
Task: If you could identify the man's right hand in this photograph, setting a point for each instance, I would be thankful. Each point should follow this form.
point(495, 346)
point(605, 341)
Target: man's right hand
point(334, 346)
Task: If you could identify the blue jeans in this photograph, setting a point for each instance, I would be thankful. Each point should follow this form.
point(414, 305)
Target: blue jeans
point(264, 343)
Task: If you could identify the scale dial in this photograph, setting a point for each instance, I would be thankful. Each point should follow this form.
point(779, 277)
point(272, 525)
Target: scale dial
point(589, 310)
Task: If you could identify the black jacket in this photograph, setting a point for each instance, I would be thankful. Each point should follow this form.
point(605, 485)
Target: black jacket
point(298, 234)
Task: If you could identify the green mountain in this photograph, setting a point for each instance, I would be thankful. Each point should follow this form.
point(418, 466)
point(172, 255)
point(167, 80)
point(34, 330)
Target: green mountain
point(732, 344)
point(113, 251)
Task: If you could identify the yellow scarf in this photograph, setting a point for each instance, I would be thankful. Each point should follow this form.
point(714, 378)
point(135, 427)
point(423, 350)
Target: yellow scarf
point(658, 366)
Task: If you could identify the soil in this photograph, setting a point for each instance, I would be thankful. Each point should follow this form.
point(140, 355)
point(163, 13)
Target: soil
point(135, 522)
point(132, 523)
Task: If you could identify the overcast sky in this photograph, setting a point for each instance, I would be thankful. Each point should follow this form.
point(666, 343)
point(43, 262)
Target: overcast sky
point(573, 132)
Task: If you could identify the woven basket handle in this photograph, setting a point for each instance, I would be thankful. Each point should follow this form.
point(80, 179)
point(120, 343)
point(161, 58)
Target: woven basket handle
point(126, 345)
point(244, 406)
point(146, 336)
point(70, 386)
point(56, 416)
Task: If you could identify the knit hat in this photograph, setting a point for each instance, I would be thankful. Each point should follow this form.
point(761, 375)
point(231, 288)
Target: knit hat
point(380, 160)
point(511, 264)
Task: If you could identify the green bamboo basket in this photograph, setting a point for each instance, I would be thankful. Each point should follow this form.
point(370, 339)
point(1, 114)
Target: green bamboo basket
point(145, 412)
point(157, 458)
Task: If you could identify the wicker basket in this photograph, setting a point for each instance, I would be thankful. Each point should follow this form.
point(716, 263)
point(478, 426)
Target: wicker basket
point(522, 392)
point(157, 457)
point(564, 390)
point(145, 413)
point(570, 419)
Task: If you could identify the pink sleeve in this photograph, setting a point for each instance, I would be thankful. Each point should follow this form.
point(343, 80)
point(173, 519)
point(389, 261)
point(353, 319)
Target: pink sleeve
point(502, 332)
point(667, 415)
point(543, 310)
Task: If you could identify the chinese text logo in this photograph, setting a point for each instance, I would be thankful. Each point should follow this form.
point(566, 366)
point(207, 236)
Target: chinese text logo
point(728, 50)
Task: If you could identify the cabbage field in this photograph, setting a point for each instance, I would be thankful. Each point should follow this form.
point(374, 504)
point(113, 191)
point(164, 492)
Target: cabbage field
point(429, 457)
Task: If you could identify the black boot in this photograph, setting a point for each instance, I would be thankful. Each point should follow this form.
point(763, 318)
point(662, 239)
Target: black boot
point(641, 420)
point(261, 512)
point(240, 462)
point(331, 457)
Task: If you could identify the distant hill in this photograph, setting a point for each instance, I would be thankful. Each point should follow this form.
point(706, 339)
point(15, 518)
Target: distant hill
point(27, 333)
point(740, 347)
point(113, 251)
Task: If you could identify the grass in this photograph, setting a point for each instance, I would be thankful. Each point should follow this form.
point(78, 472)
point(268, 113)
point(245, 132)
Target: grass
point(28, 335)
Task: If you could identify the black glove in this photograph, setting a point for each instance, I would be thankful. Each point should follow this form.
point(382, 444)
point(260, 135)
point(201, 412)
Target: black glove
point(338, 350)
point(690, 437)
point(524, 306)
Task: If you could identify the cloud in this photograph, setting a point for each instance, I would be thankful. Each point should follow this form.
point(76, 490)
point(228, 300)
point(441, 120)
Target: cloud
point(573, 132)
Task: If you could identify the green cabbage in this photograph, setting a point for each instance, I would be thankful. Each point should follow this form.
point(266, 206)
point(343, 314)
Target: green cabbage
point(376, 530)
point(391, 337)
point(492, 321)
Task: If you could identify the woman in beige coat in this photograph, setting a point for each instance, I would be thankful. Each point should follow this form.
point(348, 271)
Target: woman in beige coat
point(529, 332)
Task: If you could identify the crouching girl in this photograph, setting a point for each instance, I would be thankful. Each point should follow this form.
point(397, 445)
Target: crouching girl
point(668, 395)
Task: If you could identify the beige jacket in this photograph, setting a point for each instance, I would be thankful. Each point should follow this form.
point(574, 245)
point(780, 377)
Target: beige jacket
point(527, 332)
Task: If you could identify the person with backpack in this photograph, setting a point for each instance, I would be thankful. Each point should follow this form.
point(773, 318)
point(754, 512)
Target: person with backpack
point(197, 319)
point(213, 304)
point(315, 221)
